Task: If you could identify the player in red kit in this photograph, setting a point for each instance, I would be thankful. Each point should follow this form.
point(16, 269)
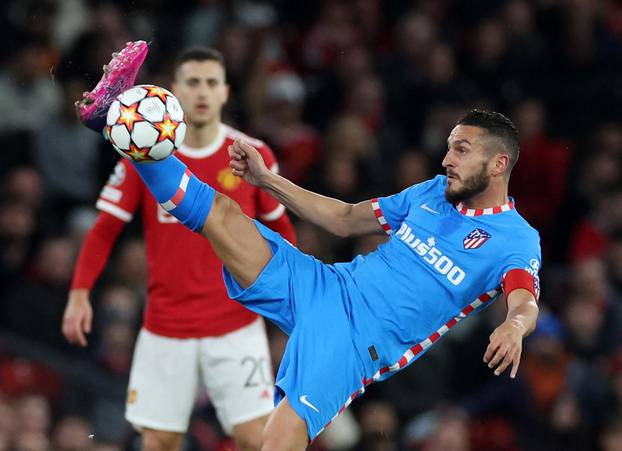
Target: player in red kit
point(192, 331)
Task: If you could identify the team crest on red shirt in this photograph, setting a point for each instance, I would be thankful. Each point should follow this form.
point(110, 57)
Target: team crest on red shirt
point(227, 180)
point(475, 239)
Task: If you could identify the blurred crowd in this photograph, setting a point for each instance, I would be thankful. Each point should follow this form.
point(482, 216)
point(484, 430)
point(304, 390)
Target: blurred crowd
point(356, 97)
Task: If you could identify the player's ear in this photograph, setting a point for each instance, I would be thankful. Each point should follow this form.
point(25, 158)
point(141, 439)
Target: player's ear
point(174, 88)
point(500, 164)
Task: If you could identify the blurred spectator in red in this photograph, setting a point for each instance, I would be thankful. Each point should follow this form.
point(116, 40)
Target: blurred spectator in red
point(21, 377)
point(297, 144)
point(539, 182)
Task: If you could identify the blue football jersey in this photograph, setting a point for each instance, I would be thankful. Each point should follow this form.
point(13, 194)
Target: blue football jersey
point(439, 265)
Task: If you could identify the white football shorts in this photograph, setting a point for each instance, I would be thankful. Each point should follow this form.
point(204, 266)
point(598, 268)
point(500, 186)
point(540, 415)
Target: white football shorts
point(235, 369)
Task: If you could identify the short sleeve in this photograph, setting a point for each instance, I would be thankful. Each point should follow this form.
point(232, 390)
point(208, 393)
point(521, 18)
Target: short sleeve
point(522, 269)
point(268, 208)
point(391, 210)
point(122, 193)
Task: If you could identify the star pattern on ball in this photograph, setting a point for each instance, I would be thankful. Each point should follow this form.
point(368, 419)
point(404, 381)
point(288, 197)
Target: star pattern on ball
point(137, 153)
point(167, 128)
point(129, 115)
point(156, 91)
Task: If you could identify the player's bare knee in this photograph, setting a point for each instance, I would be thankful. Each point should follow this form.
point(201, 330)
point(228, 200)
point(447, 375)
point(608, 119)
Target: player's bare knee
point(249, 436)
point(223, 209)
point(153, 440)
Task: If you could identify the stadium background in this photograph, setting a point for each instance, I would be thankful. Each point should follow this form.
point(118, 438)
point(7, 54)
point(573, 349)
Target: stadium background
point(356, 98)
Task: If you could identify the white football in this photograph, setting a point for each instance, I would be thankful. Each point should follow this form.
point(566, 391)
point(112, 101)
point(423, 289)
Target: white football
point(145, 123)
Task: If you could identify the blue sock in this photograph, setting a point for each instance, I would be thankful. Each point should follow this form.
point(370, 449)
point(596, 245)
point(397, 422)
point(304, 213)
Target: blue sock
point(178, 190)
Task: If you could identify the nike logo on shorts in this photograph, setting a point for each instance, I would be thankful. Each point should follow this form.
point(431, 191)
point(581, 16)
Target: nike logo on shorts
point(303, 399)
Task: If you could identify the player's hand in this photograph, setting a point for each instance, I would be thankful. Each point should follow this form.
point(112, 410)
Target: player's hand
point(505, 348)
point(78, 317)
point(247, 162)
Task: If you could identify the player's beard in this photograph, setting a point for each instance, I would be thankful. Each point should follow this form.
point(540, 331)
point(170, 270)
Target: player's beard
point(471, 186)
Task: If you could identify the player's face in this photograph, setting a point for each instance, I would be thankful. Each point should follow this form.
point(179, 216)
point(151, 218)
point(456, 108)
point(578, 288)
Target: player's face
point(201, 88)
point(466, 164)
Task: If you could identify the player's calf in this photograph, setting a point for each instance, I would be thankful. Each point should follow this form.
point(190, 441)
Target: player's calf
point(178, 190)
point(233, 235)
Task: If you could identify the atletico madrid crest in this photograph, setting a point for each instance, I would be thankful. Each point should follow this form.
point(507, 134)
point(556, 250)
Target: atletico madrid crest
point(475, 239)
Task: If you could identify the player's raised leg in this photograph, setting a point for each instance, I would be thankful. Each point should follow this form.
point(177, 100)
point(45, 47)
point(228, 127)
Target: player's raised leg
point(233, 235)
point(285, 430)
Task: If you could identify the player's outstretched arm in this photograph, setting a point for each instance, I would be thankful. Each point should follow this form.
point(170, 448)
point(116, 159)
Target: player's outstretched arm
point(506, 342)
point(340, 218)
point(94, 254)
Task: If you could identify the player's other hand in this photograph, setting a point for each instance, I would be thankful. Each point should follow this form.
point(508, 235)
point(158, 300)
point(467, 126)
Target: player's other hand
point(247, 162)
point(78, 317)
point(505, 348)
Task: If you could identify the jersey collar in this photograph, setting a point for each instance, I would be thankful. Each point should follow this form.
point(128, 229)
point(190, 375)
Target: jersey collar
point(484, 211)
point(209, 150)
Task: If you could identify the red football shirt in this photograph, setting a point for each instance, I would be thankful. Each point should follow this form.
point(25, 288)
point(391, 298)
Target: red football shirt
point(186, 295)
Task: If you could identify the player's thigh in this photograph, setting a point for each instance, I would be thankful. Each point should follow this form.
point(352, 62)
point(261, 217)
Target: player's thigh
point(321, 372)
point(163, 382)
point(236, 240)
point(237, 373)
point(288, 287)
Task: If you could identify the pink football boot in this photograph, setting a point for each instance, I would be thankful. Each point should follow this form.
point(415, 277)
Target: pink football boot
point(119, 75)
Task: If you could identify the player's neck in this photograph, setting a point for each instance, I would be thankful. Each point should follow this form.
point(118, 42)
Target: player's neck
point(199, 136)
point(493, 196)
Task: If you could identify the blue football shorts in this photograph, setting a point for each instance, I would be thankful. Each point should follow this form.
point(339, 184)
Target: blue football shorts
point(321, 371)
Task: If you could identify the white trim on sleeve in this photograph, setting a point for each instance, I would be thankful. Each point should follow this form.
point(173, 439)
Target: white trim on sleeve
point(274, 214)
point(114, 210)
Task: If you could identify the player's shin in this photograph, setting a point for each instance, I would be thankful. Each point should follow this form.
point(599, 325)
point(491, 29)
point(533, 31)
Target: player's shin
point(178, 190)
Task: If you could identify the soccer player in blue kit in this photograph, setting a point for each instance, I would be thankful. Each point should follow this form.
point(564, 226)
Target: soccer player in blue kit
point(456, 244)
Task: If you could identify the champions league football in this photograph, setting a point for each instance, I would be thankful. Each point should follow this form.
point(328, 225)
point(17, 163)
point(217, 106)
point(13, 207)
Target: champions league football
point(145, 123)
